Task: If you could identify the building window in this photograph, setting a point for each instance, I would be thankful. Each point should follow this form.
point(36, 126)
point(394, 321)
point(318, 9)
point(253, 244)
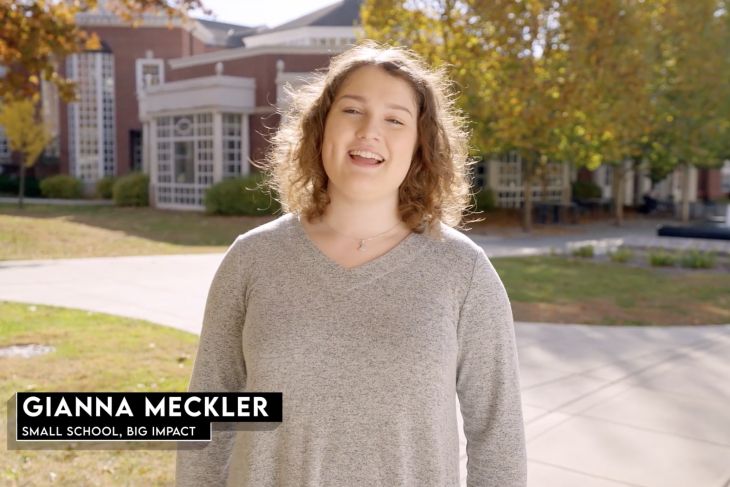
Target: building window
point(135, 144)
point(4, 147)
point(91, 119)
point(51, 116)
point(231, 145)
point(152, 67)
point(184, 159)
point(480, 174)
point(184, 162)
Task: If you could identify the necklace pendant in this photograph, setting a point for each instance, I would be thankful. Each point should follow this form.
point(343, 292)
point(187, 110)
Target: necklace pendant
point(362, 245)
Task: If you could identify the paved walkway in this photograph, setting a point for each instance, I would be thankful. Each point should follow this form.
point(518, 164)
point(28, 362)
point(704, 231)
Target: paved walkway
point(604, 406)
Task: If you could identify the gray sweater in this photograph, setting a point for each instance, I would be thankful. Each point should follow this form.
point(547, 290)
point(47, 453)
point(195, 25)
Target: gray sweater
point(369, 361)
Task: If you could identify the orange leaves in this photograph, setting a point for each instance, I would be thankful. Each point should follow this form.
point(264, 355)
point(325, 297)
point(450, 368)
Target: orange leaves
point(34, 34)
point(93, 43)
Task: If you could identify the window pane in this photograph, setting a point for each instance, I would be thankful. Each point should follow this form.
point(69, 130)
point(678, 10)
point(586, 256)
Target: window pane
point(184, 162)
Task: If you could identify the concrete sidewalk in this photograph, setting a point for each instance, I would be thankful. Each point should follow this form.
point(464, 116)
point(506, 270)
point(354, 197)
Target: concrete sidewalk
point(604, 406)
point(498, 246)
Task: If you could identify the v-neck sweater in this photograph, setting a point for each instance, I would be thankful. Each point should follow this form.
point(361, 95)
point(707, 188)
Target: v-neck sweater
point(369, 361)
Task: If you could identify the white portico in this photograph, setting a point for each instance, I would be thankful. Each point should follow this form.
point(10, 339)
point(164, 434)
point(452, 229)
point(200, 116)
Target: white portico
point(196, 133)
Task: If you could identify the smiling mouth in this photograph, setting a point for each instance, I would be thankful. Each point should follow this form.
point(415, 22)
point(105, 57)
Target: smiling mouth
point(366, 157)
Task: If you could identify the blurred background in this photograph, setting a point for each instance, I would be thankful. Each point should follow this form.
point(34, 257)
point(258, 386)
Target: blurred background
point(600, 137)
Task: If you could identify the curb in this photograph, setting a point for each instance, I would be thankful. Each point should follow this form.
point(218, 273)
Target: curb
point(57, 202)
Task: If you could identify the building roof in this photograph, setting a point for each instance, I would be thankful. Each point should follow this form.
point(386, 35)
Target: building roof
point(228, 35)
point(345, 13)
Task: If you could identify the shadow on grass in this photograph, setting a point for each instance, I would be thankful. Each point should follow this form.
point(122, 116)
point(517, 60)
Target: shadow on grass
point(167, 226)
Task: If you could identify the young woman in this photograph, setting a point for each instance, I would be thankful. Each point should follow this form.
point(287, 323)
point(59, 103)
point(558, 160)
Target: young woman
point(362, 304)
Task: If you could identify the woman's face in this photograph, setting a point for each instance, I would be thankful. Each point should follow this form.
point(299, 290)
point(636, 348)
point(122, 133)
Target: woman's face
point(370, 135)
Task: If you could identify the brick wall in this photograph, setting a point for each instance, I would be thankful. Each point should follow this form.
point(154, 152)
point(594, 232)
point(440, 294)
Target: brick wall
point(127, 45)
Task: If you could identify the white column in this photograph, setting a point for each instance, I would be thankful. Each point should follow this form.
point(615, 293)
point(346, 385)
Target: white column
point(73, 163)
point(245, 145)
point(153, 161)
point(693, 176)
point(146, 148)
point(493, 173)
point(676, 186)
point(600, 176)
point(98, 61)
point(217, 147)
point(628, 182)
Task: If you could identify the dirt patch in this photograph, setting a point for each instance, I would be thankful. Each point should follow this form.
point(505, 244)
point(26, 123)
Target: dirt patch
point(672, 311)
point(25, 351)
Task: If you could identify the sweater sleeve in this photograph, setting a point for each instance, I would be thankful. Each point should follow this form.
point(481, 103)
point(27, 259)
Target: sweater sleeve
point(219, 367)
point(488, 383)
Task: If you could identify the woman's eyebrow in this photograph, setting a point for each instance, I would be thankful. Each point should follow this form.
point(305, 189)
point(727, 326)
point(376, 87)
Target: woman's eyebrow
point(388, 105)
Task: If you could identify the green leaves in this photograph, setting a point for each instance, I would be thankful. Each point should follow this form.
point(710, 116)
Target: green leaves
point(589, 82)
point(26, 134)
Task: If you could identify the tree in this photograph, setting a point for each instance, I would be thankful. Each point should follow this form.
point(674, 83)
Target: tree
point(590, 82)
point(613, 57)
point(26, 135)
point(36, 34)
point(512, 64)
point(696, 98)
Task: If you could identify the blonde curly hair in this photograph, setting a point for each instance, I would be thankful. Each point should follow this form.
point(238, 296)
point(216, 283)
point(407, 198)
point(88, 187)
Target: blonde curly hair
point(437, 185)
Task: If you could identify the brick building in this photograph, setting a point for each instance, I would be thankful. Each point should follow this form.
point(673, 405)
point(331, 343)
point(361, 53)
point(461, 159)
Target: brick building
point(190, 105)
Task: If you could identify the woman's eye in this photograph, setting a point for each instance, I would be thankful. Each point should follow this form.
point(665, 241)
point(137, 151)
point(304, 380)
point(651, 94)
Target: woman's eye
point(395, 121)
point(351, 110)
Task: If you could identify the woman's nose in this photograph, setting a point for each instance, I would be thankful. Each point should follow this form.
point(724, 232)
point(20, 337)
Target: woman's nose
point(368, 128)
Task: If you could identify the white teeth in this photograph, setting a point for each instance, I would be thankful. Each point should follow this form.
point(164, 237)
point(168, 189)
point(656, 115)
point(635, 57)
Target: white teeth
point(366, 154)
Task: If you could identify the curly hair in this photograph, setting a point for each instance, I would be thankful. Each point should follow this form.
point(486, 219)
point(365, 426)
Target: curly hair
point(437, 185)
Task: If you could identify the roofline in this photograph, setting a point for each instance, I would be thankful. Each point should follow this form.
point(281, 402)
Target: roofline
point(198, 30)
point(321, 11)
point(246, 52)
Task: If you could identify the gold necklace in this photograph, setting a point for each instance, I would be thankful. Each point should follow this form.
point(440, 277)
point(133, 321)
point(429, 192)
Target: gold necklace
point(362, 240)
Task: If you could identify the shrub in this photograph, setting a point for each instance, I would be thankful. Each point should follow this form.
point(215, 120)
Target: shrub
point(132, 190)
point(10, 185)
point(585, 190)
point(62, 186)
point(586, 252)
point(661, 258)
point(484, 200)
point(621, 255)
point(105, 187)
point(241, 196)
point(697, 259)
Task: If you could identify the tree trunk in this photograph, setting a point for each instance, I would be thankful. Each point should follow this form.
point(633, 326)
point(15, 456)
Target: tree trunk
point(685, 191)
point(21, 191)
point(527, 205)
point(618, 193)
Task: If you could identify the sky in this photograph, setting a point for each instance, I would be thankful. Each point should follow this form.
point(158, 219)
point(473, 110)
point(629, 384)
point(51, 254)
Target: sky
point(256, 12)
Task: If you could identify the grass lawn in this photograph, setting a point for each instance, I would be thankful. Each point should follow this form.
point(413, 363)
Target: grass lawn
point(94, 352)
point(97, 352)
point(56, 232)
point(547, 289)
point(568, 290)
